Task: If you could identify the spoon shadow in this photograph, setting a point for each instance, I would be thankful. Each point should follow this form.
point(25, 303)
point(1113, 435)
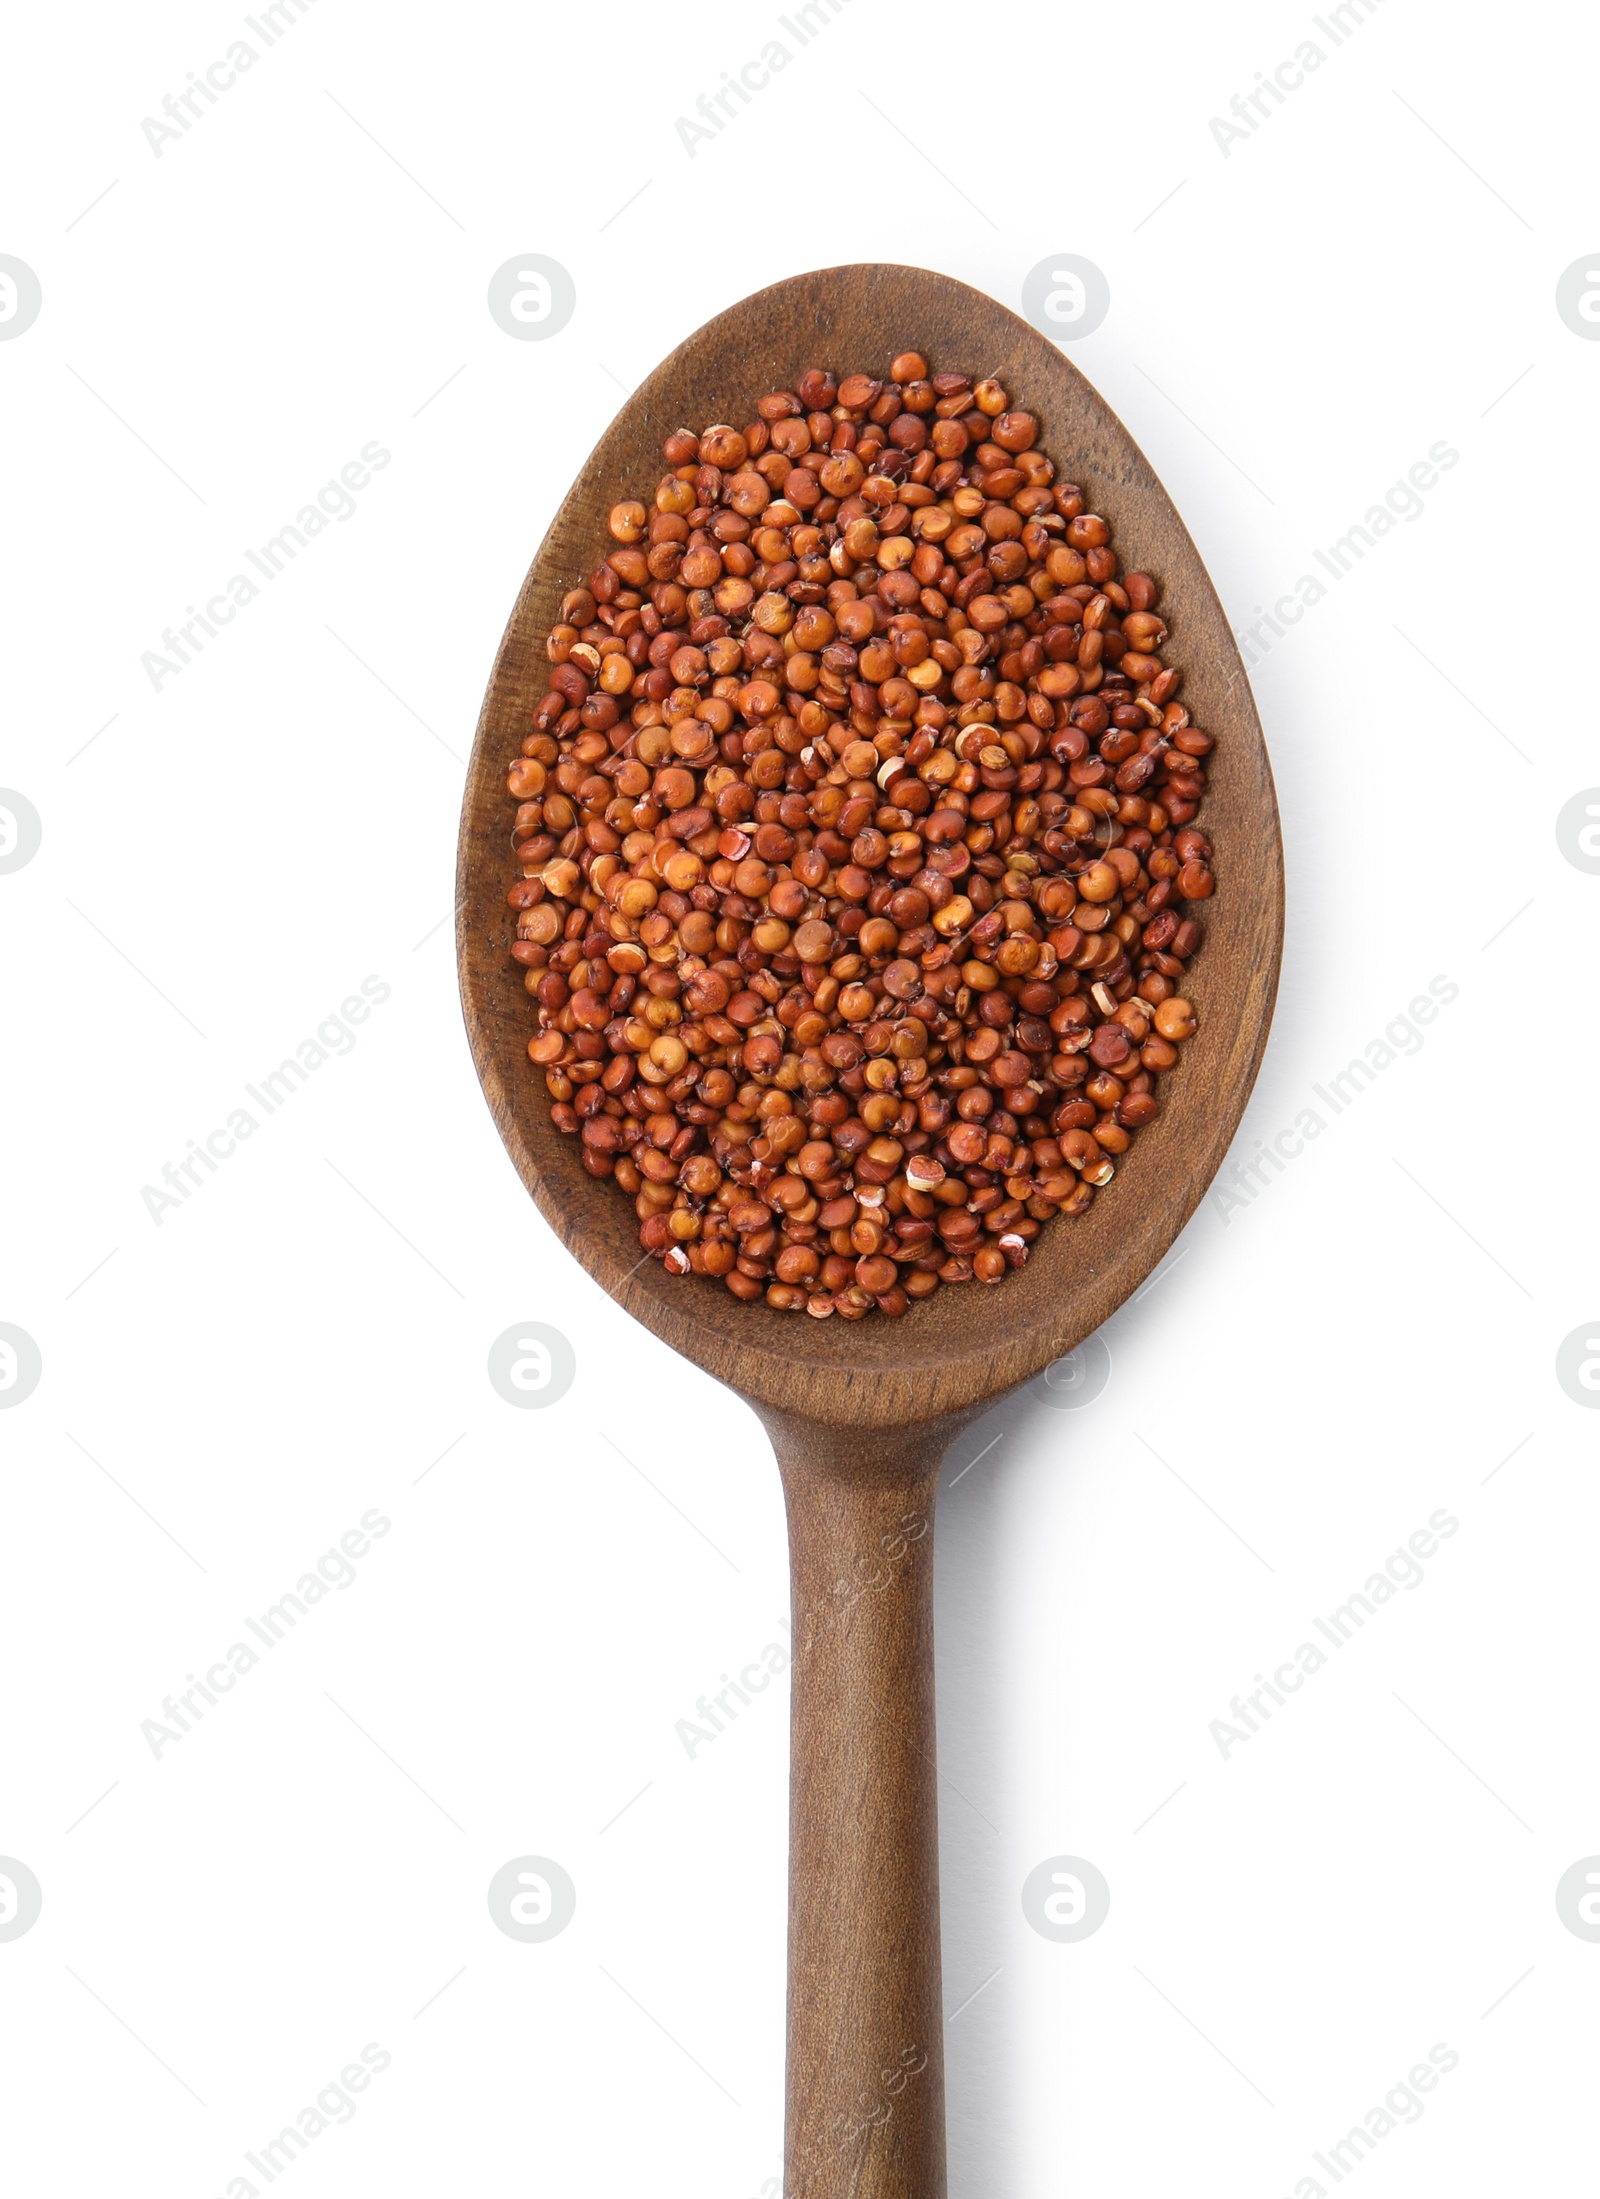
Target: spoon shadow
point(980, 1874)
point(972, 1569)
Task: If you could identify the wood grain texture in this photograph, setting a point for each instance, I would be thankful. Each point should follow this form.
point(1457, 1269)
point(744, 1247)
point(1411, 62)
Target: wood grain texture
point(865, 2109)
point(860, 1413)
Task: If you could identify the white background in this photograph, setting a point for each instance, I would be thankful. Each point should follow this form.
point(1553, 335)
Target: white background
point(1370, 1338)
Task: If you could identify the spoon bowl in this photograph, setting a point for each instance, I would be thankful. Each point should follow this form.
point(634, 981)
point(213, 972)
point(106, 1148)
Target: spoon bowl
point(860, 1413)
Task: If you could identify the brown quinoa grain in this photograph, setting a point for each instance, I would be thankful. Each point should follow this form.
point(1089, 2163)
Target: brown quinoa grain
point(856, 847)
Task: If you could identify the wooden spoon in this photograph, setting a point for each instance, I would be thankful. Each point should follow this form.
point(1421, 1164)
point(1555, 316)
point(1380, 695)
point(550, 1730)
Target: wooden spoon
point(860, 1413)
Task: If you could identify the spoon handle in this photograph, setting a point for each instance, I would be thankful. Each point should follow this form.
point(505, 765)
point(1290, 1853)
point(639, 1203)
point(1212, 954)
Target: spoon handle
point(865, 2108)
